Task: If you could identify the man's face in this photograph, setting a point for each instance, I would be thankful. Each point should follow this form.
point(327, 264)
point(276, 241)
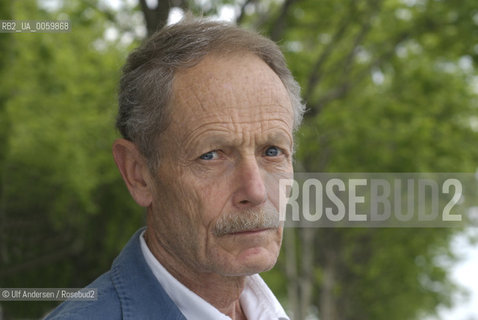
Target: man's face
point(216, 196)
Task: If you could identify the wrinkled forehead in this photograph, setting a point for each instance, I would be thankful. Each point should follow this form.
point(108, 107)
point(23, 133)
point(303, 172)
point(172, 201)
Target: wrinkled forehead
point(242, 85)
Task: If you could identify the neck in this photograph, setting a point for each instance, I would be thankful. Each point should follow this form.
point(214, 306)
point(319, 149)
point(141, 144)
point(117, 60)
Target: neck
point(220, 291)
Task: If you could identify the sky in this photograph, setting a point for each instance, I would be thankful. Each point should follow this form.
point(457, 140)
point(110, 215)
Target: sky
point(466, 274)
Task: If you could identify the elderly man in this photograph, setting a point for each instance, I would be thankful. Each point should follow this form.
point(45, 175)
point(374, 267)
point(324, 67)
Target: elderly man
point(207, 112)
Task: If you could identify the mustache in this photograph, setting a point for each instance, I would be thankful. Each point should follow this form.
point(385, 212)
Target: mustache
point(247, 220)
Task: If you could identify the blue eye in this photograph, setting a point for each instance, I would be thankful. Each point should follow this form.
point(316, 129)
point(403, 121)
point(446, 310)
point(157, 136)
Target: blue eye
point(272, 152)
point(211, 155)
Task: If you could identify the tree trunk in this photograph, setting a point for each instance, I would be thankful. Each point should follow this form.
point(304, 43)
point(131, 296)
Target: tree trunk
point(307, 280)
point(155, 18)
point(327, 298)
point(291, 273)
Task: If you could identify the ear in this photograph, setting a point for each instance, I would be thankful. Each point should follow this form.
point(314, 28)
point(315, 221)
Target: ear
point(135, 172)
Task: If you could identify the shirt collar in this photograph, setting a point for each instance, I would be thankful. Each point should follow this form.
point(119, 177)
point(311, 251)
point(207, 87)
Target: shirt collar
point(257, 300)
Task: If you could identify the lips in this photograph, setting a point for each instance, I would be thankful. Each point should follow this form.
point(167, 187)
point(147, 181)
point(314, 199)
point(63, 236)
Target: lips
point(255, 231)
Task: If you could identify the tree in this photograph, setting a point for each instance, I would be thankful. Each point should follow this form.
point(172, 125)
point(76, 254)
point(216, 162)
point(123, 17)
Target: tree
point(60, 186)
point(5, 56)
point(380, 100)
point(387, 84)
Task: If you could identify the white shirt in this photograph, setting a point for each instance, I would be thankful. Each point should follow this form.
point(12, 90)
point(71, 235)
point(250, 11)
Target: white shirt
point(257, 300)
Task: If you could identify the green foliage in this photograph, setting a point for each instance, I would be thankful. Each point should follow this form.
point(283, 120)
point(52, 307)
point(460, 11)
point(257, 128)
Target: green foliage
point(388, 86)
point(5, 56)
point(66, 211)
point(389, 89)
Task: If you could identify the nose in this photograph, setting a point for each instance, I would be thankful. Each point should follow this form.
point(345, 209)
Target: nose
point(250, 190)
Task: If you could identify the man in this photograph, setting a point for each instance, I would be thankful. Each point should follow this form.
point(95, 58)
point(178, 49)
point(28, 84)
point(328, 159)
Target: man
point(207, 112)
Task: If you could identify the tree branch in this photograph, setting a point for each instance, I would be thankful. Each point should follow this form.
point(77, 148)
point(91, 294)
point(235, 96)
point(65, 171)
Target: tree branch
point(342, 89)
point(315, 74)
point(242, 14)
point(345, 83)
point(364, 30)
point(155, 18)
point(279, 25)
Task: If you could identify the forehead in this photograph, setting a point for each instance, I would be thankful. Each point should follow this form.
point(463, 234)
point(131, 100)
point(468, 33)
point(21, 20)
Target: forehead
point(235, 88)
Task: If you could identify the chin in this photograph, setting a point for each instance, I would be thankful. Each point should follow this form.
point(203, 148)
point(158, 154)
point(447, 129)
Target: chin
point(250, 270)
point(251, 263)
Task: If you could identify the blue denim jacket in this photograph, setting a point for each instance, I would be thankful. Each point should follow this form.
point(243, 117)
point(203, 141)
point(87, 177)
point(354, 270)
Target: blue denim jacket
point(128, 290)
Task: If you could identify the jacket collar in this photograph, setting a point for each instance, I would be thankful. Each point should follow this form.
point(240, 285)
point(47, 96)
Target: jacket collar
point(140, 294)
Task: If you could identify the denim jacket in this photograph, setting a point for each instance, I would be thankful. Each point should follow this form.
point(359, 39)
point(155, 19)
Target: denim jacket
point(128, 290)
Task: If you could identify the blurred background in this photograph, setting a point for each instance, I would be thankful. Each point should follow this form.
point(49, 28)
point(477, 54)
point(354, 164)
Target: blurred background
point(391, 86)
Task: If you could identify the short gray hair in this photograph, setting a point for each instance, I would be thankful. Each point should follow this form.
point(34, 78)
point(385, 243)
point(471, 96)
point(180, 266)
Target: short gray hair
point(146, 84)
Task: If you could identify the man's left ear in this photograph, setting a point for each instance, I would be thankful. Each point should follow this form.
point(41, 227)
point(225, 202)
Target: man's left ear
point(134, 170)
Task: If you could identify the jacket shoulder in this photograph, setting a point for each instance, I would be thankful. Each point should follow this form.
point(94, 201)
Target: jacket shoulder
point(107, 306)
point(128, 291)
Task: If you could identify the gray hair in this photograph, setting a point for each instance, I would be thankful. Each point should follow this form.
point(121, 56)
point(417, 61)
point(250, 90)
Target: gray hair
point(146, 84)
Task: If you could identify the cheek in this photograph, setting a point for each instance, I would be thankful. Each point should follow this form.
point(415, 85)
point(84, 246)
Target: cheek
point(212, 197)
point(194, 202)
point(176, 216)
point(175, 199)
point(272, 184)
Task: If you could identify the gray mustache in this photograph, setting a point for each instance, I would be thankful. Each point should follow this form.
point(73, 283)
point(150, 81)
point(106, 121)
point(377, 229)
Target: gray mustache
point(247, 220)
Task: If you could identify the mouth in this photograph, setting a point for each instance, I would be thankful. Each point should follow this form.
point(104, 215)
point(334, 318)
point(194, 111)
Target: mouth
point(249, 232)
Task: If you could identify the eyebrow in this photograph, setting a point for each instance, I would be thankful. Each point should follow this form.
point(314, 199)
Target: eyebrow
point(276, 137)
